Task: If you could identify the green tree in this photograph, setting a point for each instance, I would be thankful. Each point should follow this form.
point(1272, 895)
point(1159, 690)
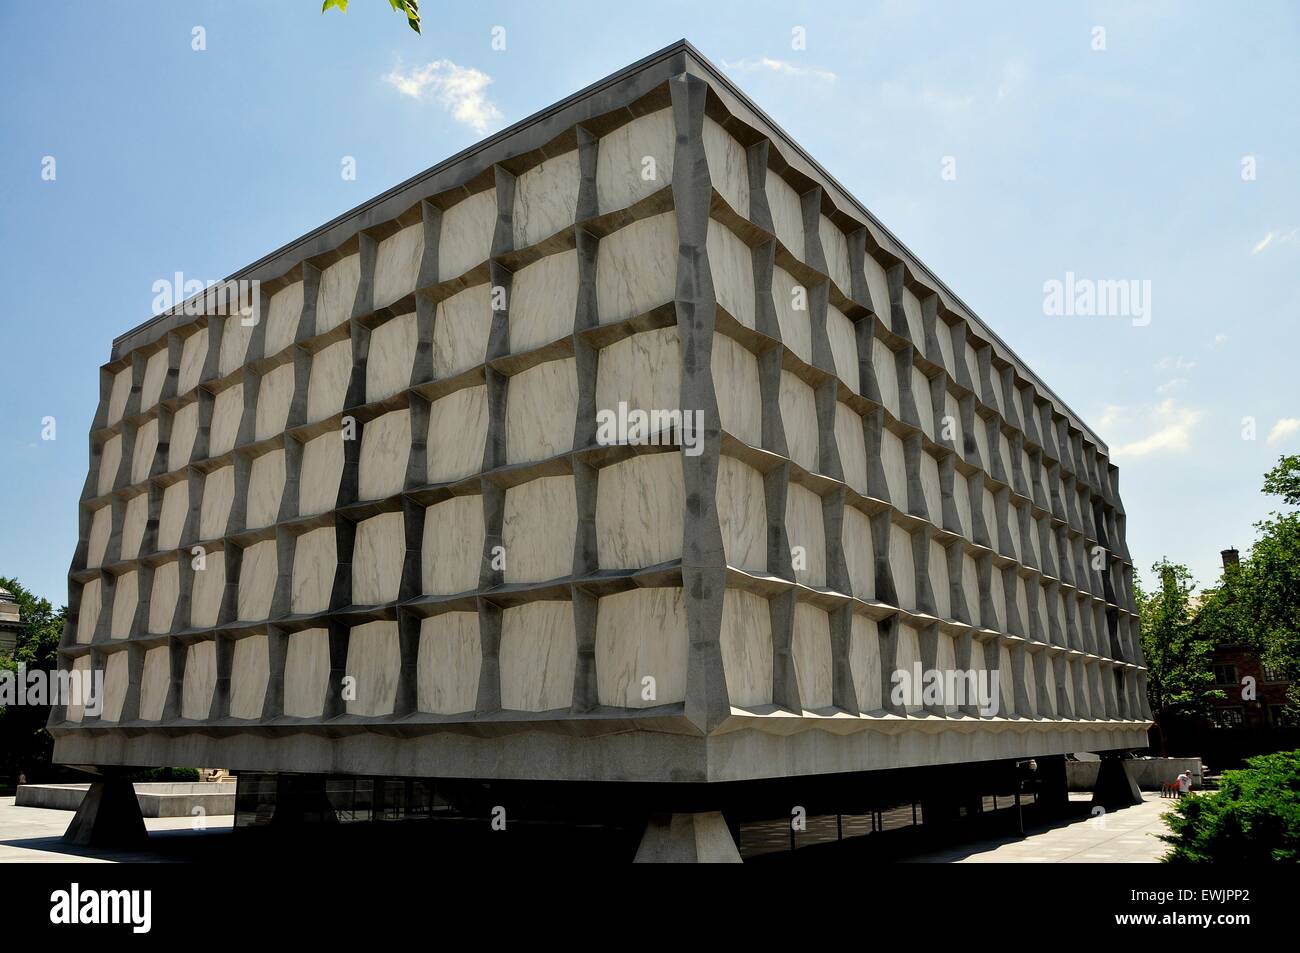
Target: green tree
point(411, 8)
point(1254, 816)
point(1180, 676)
point(25, 745)
point(1258, 601)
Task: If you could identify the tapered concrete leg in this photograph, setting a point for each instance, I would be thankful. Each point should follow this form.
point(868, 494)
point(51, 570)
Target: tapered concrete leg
point(109, 816)
point(687, 839)
point(1115, 784)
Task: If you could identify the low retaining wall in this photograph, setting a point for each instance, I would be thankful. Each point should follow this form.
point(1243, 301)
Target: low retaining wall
point(1149, 773)
point(157, 799)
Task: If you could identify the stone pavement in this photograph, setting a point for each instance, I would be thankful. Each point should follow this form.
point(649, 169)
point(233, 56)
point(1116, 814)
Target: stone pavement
point(32, 835)
point(1127, 836)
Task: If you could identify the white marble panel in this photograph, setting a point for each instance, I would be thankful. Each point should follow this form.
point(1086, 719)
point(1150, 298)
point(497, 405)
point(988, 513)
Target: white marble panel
point(126, 597)
point(731, 265)
point(274, 398)
point(799, 417)
point(337, 293)
point(643, 371)
point(806, 532)
point(450, 658)
point(163, 598)
point(227, 412)
point(746, 641)
point(322, 470)
point(117, 677)
point(623, 176)
point(939, 581)
point(943, 332)
point(194, 353)
point(101, 527)
point(466, 238)
point(218, 494)
point(793, 318)
point(155, 682)
point(884, 365)
point(930, 488)
point(134, 521)
point(265, 489)
point(640, 506)
point(811, 649)
point(844, 347)
point(250, 671)
point(864, 662)
point(143, 450)
point(208, 592)
point(452, 548)
point(903, 566)
point(636, 268)
point(539, 529)
point(118, 395)
point(641, 648)
point(377, 559)
point(327, 385)
point(200, 680)
point(735, 380)
point(460, 330)
point(835, 246)
point(155, 375)
point(235, 338)
point(728, 166)
point(538, 655)
point(110, 460)
point(185, 427)
point(88, 614)
point(397, 264)
point(257, 574)
point(306, 673)
point(83, 681)
point(282, 318)
point(859, 553)
point(742, 514)
point(315, 562)
point(391, 357)
point(173, 513)
point(543, 301)
point(852, 445)
point(457, 434)
point(787, 213)
point(906, 659)
point(915, 329)
point(924, 405)
point(385, 450)
point(374, 661)
point(894, 462)
point(546, 199)
point(541, 410)
point(878, 286)
point(971, 588)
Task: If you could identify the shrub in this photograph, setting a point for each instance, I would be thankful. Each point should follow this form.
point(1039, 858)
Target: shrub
point(1254, 816)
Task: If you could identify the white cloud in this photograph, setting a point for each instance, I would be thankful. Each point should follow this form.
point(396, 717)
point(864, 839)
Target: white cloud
point(1274, 236)
point(1168, 428)
point(1220, 339)
point(1284, 428)
point(461, 90)
point(780, 67)
point(1170, 385)
point(1175, 364)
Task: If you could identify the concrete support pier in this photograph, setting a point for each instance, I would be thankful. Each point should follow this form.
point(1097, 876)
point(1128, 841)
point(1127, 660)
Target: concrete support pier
point(1116, 786)
point(109, 816)
point(687, 839)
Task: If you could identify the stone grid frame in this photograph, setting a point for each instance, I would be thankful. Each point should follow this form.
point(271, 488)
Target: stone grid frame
point(1054, 506)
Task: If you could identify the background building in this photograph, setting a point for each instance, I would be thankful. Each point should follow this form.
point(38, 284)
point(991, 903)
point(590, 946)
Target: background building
point(10, 623)
point(375, 532)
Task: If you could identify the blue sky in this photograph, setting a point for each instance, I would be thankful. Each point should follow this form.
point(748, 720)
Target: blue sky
point(1117, 163)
